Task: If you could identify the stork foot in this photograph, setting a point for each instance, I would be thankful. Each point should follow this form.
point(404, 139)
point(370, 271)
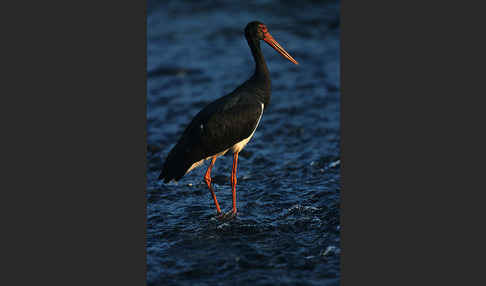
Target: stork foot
point(226, 216)
point(231, 214)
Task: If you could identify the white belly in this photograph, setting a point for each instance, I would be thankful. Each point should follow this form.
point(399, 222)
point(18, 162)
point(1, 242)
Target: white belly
point(240, 145)
point(235, 148)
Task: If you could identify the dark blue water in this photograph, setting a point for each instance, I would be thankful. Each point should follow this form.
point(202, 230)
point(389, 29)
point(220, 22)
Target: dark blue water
point(288, 192)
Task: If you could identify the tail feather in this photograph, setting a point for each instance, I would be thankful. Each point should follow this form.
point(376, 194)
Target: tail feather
point(174, 169)
point(177, 163)
point(186, 152)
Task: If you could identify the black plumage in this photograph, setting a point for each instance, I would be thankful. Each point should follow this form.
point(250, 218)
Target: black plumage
point(228, 122)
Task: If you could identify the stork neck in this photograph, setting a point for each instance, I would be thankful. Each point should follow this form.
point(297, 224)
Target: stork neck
point(261, 70)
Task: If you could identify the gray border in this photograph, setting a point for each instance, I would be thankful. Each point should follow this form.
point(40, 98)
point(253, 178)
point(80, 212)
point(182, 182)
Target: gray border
point(78, 156)
point(410, 195)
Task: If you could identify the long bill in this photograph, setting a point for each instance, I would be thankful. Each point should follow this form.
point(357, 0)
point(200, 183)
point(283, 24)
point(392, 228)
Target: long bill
point(274, 44)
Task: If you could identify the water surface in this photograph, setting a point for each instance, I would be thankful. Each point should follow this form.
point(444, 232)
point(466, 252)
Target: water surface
point(288, 192)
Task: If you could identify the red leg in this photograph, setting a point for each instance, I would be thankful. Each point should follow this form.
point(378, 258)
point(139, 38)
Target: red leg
point(233, 181)
point(207, 178)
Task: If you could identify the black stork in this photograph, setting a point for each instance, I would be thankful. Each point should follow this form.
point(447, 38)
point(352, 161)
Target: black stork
point(227, 123)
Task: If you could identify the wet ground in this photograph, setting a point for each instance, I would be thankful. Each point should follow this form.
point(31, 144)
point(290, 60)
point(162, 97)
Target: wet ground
point(288, 193)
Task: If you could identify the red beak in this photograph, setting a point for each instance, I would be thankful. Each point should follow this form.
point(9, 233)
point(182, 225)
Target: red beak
point(274, 44)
